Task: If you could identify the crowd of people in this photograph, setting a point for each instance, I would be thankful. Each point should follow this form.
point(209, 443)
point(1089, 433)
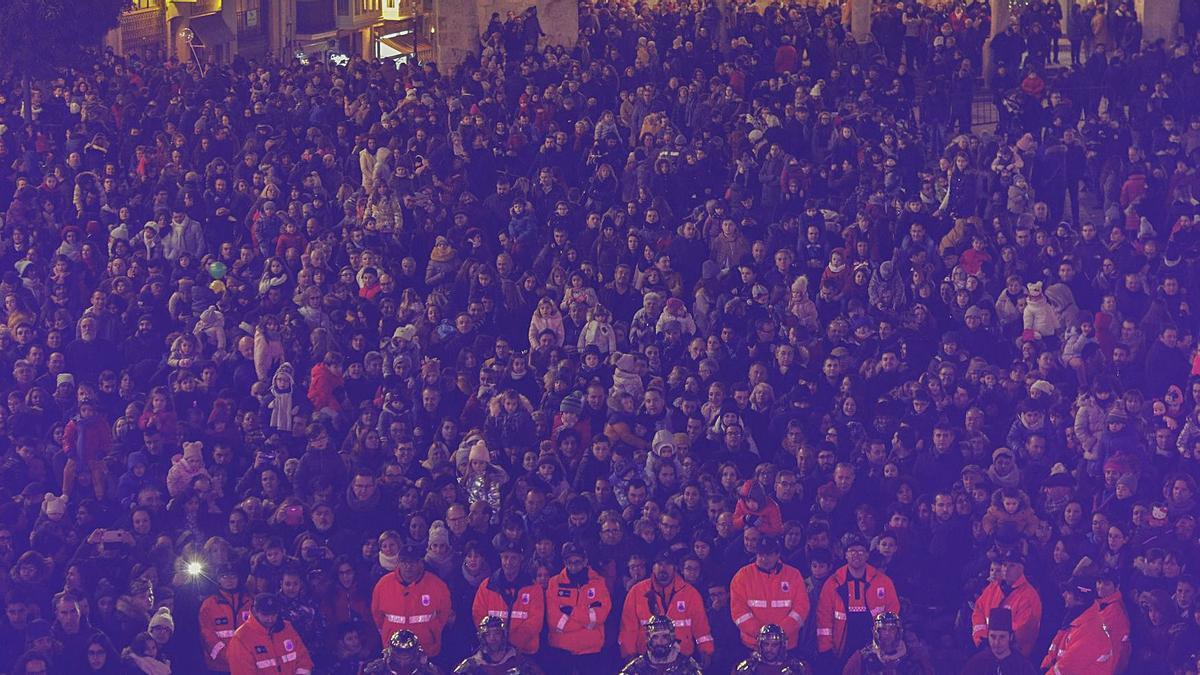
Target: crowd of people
point(721, 341)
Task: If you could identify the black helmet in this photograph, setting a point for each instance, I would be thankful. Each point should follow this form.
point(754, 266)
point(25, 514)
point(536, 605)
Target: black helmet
point(404, 640)
point(771, 631)
point(490, 623)
point(888, 619)
point(660, 624)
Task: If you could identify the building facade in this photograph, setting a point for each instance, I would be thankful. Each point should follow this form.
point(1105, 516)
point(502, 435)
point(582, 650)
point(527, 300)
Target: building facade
point(215, 31)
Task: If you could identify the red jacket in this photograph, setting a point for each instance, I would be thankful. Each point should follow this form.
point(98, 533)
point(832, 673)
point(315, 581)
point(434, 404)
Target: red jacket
point(1082, 647)
point(757, 598)
point(322, 388)
point(524, 616)
point(253, 649)
point(87, 440)
point(1026, 609)
point(680, 602)
point(1116, 619)
point(874, 593)
point(220, 615)
point(768, 519)
point(575, 613)
point(422, 607)
point(786, 58)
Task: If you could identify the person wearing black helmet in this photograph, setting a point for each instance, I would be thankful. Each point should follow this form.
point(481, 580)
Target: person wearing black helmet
point(771, 656)
point(662, 655)
point(402, 656)
point(496, 656)
point(888, 652)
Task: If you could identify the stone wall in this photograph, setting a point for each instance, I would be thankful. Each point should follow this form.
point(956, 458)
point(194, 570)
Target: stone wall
point(457, 32)
point(1160, 19)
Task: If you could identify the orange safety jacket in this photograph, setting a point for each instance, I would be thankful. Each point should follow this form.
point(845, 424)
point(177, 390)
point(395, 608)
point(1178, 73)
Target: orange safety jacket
point(1116, 619)
point(757, 598)
point(524, 615)
point(680, 602)
point(1083, 646)
point(874, 593)
point(422, 607)
point(254, 649)
point(575, 613)
point(220, 615)
point(1026, 608)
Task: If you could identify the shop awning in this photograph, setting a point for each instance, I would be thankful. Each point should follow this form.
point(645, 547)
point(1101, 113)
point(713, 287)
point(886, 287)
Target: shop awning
point(211, 29)
point(401, 44)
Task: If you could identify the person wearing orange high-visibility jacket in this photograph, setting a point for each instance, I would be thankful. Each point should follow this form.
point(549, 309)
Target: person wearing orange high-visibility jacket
point(850, 600)
point(666, 594)
point(1115, 615)
point(1082, 645)
point(577, 604)
point(1010, 590)
point(221, 614)
point(514, 596)
point(267, 643)
point(411, 598)
point(768, 591)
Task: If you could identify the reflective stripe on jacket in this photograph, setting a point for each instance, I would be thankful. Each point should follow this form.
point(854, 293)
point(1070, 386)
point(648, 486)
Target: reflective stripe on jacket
point(879, 595)
point(253, 650)
point(220, 615)
point(757, 598)
point(680, 602)
point(575, 614)
point(422, 607)
point(524, 617)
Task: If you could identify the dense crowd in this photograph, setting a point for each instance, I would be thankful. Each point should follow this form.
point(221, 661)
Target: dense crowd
point(717, 342)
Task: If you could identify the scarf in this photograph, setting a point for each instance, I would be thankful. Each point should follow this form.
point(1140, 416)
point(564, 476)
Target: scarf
point(1011, 479)
point(578, 579)
point(441, 253)
point(389, 562)
point(475, 579)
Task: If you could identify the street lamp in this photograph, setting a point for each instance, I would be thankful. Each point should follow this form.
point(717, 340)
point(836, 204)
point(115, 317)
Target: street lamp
point(189, 37)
